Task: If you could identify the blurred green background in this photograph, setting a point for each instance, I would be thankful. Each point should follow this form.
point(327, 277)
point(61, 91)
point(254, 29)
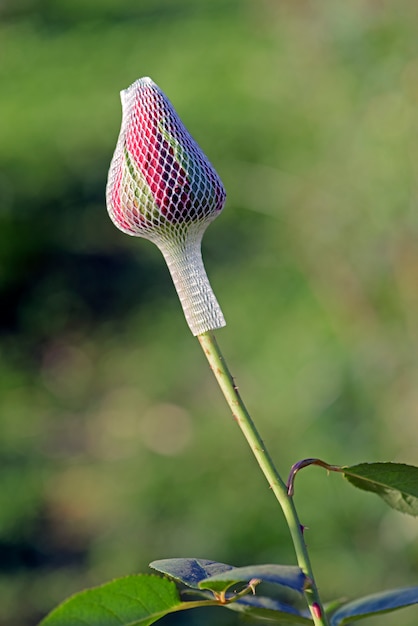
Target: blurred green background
point(116, 447)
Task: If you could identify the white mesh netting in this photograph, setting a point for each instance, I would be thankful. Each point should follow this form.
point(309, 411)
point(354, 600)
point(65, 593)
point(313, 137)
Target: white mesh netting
point(162, 187)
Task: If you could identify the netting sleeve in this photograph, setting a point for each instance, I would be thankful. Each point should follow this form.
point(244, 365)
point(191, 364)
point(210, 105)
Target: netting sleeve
point(162, 187)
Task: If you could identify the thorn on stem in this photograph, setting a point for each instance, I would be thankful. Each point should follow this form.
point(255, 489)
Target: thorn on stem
point(253, 584)
point(316, 610)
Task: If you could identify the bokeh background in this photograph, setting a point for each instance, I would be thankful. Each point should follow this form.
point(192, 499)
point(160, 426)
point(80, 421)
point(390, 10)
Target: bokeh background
point(116, 447)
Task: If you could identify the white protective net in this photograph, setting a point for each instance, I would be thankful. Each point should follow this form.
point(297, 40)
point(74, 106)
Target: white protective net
point(162, 187)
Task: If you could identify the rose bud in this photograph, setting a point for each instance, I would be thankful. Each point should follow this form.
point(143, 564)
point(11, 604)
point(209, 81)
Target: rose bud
point(162, 187)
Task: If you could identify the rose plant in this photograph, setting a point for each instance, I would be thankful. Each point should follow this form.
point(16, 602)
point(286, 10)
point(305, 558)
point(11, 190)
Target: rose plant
point(162, 187)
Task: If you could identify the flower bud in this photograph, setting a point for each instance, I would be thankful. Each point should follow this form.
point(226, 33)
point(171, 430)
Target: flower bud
point(161, 186)
point(159, 176)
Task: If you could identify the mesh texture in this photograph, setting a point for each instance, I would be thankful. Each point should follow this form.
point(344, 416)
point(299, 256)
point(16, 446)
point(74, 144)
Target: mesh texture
point(162, 187)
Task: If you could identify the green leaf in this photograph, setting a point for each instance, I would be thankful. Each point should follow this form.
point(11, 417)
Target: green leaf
point(268, 608)
point(190, 571)
point(396, 483)
point(201, 574)
point(286, 575)
point(135, 600)
point(375, 604)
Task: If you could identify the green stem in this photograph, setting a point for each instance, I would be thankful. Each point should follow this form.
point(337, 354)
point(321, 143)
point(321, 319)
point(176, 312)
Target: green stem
point(242, 417)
